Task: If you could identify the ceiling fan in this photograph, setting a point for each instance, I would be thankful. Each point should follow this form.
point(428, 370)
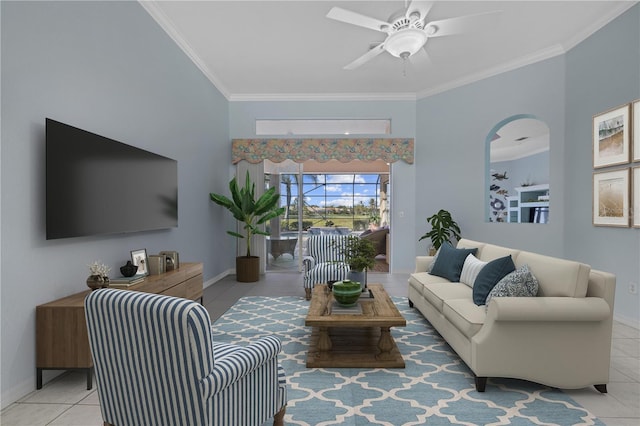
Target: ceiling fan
point(408, 31)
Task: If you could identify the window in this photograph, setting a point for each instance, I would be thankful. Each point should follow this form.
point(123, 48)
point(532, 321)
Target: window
point(347, 201)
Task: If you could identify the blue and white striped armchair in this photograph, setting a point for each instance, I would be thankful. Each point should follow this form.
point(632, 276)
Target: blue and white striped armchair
point(324, 260)
point(156, 364)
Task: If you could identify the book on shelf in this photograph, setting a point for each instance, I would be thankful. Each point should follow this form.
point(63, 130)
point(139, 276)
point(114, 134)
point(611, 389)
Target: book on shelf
point(126, 281)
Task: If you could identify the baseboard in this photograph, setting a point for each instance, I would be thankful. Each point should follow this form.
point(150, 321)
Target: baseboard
point(18, 392)
point(218, 277)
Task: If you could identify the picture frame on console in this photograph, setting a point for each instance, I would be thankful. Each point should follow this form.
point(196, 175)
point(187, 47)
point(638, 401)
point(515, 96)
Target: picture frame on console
point(141, 260)
point(611, 137)
point(611, 198)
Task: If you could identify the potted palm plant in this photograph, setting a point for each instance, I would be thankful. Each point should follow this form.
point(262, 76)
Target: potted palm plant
point(443, 228)
point(251, 213)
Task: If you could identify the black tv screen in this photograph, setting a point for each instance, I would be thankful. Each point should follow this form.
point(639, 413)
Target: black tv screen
point(96, 185)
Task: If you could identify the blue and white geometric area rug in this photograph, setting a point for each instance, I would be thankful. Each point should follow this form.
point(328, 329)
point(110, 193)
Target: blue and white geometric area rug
point(435, 388)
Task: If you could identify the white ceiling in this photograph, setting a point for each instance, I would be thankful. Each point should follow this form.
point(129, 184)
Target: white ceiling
point(261, 50)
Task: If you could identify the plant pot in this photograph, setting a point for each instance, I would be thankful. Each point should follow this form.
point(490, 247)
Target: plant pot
point(360, 277)
point(247, 269)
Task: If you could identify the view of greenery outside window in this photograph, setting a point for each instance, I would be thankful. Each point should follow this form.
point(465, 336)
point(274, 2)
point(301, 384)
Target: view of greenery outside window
point(340, 200)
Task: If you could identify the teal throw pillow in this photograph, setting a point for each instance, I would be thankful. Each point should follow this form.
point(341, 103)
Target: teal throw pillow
point(450, 261)
point(489, 276)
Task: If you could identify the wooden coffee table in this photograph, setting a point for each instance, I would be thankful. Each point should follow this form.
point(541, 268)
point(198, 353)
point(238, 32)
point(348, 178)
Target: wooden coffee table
point(353, 340)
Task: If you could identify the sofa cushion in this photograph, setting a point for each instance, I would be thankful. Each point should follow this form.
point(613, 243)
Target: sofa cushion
point(556, 277)
point(449, 262)
point(489, 276)
point(437, 293)
point(465, 315)
point(420, 280)
point(519, 283)
point(470, 270)
point(464, 243)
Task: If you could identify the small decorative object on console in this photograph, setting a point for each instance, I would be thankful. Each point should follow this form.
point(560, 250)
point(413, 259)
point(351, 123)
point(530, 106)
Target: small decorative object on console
point(157, 264)
point(129, 269)
point(346, 292)
point(172, 259)
point(99, 277)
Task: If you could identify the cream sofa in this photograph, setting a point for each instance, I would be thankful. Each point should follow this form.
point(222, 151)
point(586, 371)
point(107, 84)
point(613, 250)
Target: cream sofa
point(561, 338)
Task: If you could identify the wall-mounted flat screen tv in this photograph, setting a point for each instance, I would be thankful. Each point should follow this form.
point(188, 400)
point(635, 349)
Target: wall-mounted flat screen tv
point(96, 185)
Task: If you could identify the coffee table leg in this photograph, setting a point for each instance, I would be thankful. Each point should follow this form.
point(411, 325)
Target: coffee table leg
point(385, 344)
point(324, 342)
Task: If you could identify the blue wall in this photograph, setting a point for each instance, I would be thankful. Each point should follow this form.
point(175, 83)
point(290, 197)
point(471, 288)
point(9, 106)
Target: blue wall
point(594, 85)
point(109, 68)
point(452, 128)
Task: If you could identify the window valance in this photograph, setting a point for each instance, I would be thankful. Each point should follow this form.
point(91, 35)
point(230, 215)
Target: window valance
point(299, 150)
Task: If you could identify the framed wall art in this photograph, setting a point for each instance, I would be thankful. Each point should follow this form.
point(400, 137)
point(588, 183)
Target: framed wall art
point(140, 259)
point(611, 135)
point(635, 191)
point(635, 130)
point(611, 198)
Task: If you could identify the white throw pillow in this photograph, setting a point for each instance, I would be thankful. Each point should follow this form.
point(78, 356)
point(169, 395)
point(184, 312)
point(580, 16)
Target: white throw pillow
point(470, 270)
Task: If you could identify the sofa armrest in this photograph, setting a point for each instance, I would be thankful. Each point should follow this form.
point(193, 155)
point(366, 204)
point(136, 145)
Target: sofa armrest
point(235, 364)
point(423, 262)
point(548, 309)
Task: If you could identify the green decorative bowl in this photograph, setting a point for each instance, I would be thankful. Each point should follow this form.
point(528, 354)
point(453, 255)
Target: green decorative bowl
point(346, 292)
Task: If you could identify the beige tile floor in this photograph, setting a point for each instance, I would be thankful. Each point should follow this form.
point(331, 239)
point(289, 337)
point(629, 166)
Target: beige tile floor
point(66, 401)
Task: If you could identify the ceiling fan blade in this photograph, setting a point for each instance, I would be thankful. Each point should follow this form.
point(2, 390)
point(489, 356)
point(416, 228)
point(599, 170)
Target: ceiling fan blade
point(366, 57)
point(422, 7)
point(462, 24)
point(354, 18)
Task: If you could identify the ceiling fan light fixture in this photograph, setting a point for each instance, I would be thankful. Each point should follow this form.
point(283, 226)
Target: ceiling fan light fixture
point(405, 43)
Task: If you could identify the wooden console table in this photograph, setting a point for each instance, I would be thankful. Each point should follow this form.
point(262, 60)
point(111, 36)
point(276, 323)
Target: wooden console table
point(62, 341)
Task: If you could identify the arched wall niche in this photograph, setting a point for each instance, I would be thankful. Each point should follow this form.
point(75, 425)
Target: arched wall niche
point(517, 171)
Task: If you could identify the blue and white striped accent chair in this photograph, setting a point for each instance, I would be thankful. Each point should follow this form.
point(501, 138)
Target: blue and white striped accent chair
point(156, 364)
point(324, 260)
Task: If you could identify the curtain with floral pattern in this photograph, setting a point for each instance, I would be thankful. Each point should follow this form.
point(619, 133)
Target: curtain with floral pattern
point(345, 150)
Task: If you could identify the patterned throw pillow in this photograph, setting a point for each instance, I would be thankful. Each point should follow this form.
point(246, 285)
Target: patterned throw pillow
point(470, 270)
point(519, 283)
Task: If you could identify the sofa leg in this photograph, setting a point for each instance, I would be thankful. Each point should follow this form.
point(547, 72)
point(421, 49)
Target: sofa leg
point(410, 303)
point(601, 388)
point(307, 293)
point(481, 383)
point(278, 419)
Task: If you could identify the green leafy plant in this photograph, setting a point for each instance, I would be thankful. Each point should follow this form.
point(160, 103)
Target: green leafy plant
point(359, 253)
point(443, 228)
point(246, 209)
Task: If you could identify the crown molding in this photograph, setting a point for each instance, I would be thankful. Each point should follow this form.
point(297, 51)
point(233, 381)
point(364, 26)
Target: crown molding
point(169, 27)
point(600, 23)
point(500, 69)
